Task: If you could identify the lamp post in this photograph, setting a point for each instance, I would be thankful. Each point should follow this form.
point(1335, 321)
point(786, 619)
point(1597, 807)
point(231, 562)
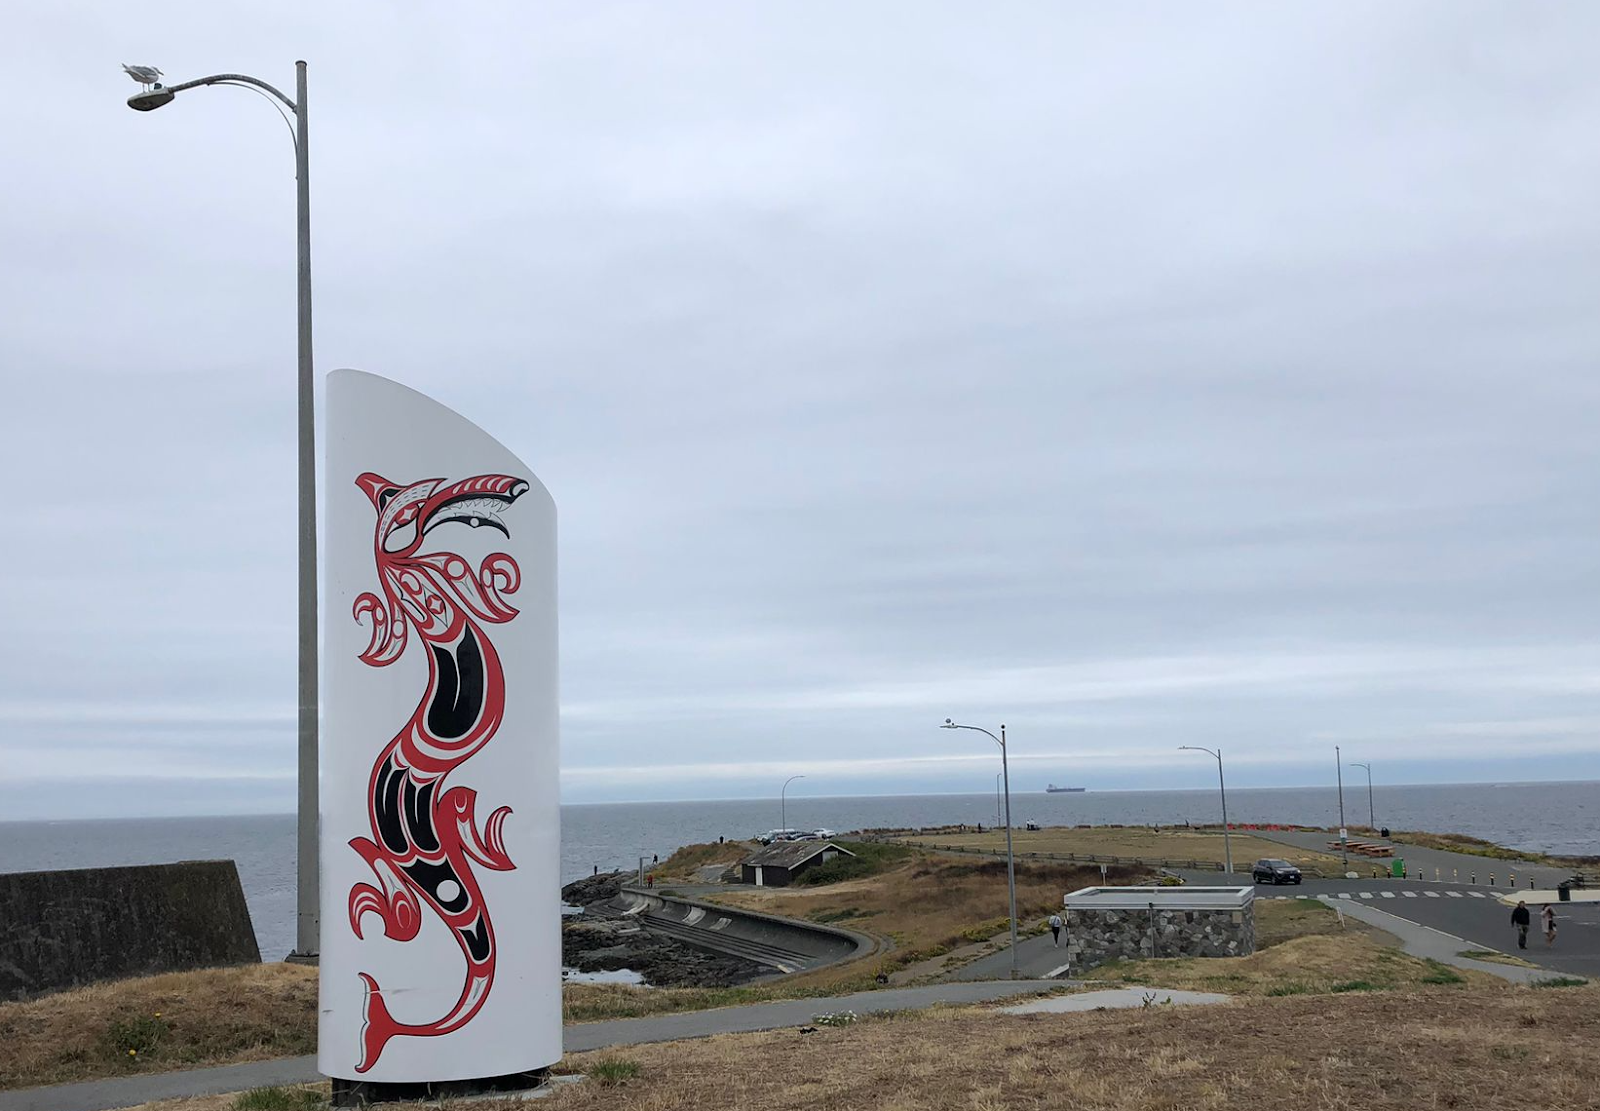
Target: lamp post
point(149, 99)
point(1011, 860)
point(997, 798)
point(1372, 819)
point(1227, 839)
point(783, 804)
point(1344, 848)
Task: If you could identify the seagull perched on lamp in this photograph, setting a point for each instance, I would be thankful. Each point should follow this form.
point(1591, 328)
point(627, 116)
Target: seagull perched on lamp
point(145, 75)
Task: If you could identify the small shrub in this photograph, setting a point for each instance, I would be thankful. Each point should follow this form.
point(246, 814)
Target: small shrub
point(1559, 982)
point(278, 1099)
point(835, 1018)
point(612, 1071)
point(1355, 985)
point(1289, 989)
point(137, 1036)
point(871, 857)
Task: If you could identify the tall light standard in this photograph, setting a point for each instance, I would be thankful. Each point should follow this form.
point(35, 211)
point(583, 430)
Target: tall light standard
point(1011, 860)
point(783, 803)
point(1372, 820)
point(997, 797)
point(155, 96)
point(1227, 841)
point(1344, 848)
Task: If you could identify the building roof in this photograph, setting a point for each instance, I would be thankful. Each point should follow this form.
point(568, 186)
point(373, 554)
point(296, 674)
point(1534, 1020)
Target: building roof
point(790, 854)
point(1167, 898)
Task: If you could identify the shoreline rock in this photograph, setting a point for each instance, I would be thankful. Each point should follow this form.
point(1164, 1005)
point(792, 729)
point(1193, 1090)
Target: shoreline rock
point(597, 944)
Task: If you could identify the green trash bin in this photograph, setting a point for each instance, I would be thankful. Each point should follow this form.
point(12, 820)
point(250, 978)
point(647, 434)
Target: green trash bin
point(1398, 868)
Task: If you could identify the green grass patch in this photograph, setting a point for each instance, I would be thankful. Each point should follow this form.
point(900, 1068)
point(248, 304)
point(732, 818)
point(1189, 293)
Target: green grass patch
point(871, 857)
point(1290, 989)
point(1560, 982)
point(611, 1071)
point(1442, 974)
point(279, 1099)
point(141, 1034)
point(1354, 985)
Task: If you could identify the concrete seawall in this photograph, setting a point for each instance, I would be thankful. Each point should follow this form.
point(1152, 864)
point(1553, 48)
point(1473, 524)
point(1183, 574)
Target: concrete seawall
point(782, 944)
point(62, 929)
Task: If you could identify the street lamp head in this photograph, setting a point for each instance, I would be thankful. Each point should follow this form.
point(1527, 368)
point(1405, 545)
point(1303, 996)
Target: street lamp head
point(148, 100)
point(948, 724)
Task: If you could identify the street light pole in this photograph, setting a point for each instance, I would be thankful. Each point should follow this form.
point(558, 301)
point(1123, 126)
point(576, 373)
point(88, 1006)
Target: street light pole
point(1011, 859)
point(307, 895)
point(1372, 819)
point(1227, 837)
point(997, 798)
point(1344, 848)
point(783, 803)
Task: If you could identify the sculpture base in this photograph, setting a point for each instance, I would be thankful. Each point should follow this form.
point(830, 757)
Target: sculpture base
point(355, 1093)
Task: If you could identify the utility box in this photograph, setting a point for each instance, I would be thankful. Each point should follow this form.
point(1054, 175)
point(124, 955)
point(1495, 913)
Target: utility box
point(1397, 868)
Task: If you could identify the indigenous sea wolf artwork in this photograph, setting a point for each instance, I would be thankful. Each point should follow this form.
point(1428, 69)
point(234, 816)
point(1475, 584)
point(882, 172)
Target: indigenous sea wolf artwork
point(440, 799)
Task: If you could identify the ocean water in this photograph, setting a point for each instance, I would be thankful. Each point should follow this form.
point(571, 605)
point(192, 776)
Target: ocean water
point(1546, 817)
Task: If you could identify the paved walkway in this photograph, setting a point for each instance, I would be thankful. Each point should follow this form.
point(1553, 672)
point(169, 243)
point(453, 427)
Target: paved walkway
point(1113, 999)
point(1432, 944)
point(100, 1095)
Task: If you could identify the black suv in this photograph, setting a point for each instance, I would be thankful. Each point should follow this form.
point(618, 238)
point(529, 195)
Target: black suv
point(1275, 871)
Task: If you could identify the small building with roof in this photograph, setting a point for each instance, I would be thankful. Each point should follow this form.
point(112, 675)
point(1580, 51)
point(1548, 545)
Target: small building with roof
point(778, 864)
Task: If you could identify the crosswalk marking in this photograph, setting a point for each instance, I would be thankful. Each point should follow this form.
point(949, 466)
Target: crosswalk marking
point(1344, 894)
point(1302, 896)
point(1477, 895)
point(1433, 894)
point(1280, 898)
point(1455, 894)
point(1366, 894)
point(1387, 894)
point(1409, 894)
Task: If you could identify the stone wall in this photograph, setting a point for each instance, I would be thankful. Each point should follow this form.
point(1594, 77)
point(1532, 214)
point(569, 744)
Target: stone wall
point(1096, 936)
point(62, 929)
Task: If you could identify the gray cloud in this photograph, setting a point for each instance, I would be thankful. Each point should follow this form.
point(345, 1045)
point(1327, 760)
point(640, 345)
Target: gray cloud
point(1135, 377)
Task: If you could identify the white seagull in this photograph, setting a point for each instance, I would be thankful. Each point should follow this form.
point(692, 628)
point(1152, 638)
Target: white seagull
point(145, 75)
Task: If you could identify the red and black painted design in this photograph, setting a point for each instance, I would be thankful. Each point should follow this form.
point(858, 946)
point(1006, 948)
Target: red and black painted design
point(425, 837)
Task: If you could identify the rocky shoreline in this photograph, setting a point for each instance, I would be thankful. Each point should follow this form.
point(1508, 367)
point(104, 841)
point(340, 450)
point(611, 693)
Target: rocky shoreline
point(592, 943)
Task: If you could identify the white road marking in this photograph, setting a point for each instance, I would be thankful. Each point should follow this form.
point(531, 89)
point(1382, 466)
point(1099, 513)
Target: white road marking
point(1302, 896)
point(1054, 972)
point(1387, 894)
point(1455, 894)
point(1366, 894)
point(1477, 895)
point(1344, 894)
point(1433, 894)
point(1409, 894)
point(1281, 898)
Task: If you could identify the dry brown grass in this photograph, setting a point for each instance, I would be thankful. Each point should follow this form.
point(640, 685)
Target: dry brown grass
point(1138, 842)
point(682, 864)
point(1466, 1049)
point(180, 1020)
point(1462, 1048)
point(927, 905)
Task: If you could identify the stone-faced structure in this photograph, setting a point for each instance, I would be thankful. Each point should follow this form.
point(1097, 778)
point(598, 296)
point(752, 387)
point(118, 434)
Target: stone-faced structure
point(1116, 923)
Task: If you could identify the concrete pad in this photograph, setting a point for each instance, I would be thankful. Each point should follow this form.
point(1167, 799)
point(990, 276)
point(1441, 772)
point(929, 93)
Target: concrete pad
point(1534, 898)
point(1112, 999)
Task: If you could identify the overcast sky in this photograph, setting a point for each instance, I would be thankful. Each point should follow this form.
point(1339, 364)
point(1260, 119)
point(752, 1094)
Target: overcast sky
point(1134, 375)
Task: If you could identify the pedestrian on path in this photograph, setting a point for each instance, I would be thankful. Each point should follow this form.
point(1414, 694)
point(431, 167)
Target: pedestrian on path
point(1055, 928)
point(1548, 916)
point(1521, 919)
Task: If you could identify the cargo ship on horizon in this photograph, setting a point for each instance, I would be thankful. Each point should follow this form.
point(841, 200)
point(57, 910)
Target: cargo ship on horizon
point(1052, 789)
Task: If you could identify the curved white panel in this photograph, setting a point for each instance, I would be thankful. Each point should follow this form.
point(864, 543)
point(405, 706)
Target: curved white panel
point(441, 948)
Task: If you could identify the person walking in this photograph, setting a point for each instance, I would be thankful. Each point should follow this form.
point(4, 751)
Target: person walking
point(1055, 929)
point(1547, 918)
point(1521, 919)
